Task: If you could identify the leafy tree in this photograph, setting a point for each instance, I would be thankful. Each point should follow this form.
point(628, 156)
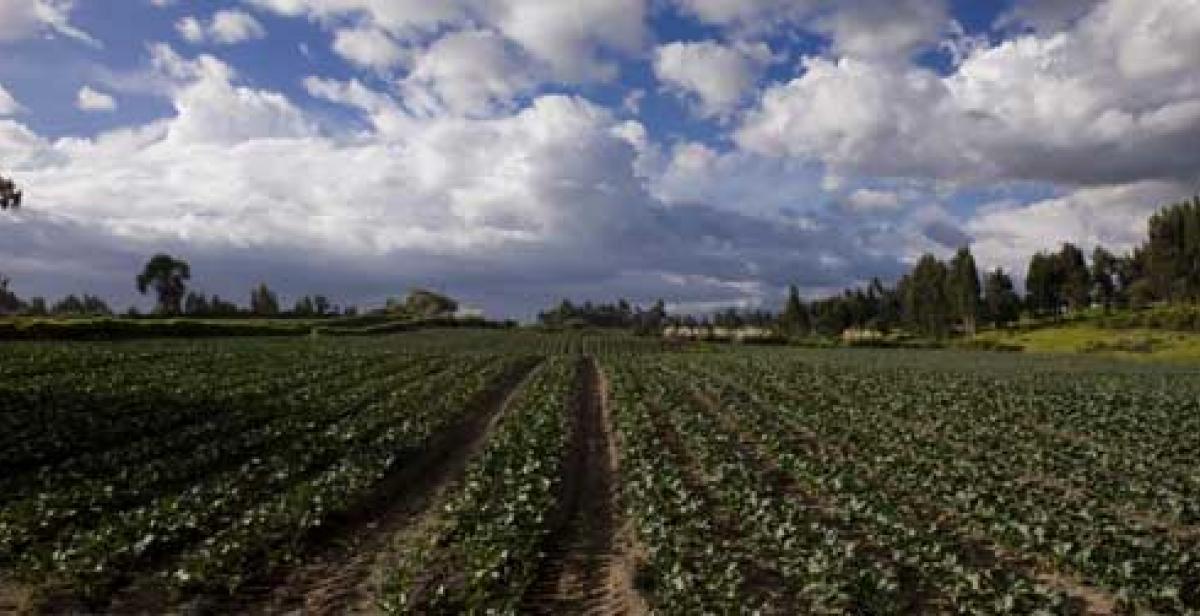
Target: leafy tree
point(728, 317)
point(263, 301)
point(832, 316)
point(650, 321)
point(81, 306)
point(67, 306)
point(1073, 276)
point(620, 314)
point(1041, 284)
point(195, 304)
point(794, 319)
point(1172, 252)
point(888, 309)
point(962, 289)
point(221, 308)
point(1104, 276)
point(1130, 269)
point(10, 195)
point(322, 306)
point(9, 302)
point(926, 306)
point(1141, 293)
point(168, 276)
point(1000, 301)
point(304, 307)
point(37, 307)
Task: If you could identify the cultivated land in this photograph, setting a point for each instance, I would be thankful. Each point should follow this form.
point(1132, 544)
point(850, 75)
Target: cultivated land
point(443, 472)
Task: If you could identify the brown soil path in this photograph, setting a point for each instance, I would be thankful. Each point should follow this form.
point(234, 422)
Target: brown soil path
point(588, 567)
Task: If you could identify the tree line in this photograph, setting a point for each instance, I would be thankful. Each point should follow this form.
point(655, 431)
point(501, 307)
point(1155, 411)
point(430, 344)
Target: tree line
point(621, 314)
point(167, 278)
point(936, 298)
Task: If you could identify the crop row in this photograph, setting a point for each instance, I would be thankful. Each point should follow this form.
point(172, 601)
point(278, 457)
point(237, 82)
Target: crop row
point(233, 494)
point(937, 447)
point(484, 553)
point(806, 549)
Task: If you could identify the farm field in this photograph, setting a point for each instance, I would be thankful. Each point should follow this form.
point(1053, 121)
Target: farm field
point(516, 472)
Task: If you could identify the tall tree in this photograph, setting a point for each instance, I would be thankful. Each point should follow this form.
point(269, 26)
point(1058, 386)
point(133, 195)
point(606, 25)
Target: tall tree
point(887, 306)
point(321, 305)
point(795, 315)
point(1130, 269)
point(1104, 277)
point(196, 304)
point(37, 307)
point(263, 301)
point(1001, 304)
point(1172, 252)
point(10, 195)
point(1073, 276)
point(9, 302)
point(1041, 284)
point(304, 307)
point(168, 276)
point(962, 289)
point(926, 306)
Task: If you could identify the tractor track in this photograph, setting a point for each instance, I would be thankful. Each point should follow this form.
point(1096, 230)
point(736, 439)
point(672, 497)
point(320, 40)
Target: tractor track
point(586, 566)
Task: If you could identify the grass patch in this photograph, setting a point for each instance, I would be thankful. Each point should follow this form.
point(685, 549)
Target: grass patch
point(1144, 344)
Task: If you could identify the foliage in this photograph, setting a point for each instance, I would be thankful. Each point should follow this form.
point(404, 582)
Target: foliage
point(10, 195)
point(622, 314)
point(794, 320)
point(1172, 252)
point(962, 289)
point(263, 301)
point(1001, 305)
point(755, 480)
point(206, 466)
point(861, 483)
point(168, 277)
point(9, 302)
point(926, 305)
point(422, 304)
point(484, 555)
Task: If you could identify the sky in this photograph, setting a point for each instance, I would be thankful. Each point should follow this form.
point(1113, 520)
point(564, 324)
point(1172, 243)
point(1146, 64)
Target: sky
point(514, 152)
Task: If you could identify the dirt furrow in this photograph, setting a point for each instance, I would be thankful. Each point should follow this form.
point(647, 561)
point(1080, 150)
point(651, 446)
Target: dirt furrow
point(585, 568)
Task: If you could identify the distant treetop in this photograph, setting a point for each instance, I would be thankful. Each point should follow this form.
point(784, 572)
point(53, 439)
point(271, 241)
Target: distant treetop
point(10, 195)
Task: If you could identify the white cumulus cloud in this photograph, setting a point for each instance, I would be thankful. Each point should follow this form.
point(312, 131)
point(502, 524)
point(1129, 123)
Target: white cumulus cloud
point(226, 27)
point(91, 100)
point(1114, 100)
point(20, 19)
point(719, 76)
point(368, 47)
point(469, 73)
point(8, 105)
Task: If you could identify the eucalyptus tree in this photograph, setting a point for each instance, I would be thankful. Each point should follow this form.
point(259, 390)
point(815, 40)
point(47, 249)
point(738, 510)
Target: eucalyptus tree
point(168, 277)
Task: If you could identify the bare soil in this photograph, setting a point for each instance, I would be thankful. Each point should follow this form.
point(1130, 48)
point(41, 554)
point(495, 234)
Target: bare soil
point(588, 566)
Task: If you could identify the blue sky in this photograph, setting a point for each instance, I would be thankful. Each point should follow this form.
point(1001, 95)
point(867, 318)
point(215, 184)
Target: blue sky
point(510, 152)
